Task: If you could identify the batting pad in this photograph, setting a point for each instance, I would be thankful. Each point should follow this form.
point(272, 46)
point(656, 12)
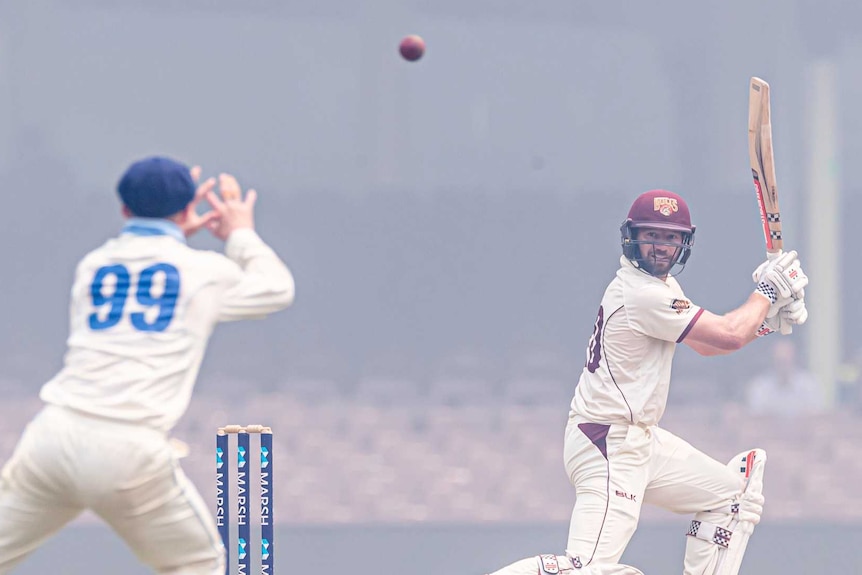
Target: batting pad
point(750, 464)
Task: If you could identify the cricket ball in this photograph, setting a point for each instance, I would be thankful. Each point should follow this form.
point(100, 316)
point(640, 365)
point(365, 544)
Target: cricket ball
point(412, 48)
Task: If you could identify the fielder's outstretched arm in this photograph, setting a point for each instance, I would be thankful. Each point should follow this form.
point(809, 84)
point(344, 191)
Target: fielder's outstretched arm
point(255, 282)
point(264, 284)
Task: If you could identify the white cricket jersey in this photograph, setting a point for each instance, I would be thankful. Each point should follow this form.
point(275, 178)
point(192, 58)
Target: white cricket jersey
point(627, 372)
point(143, 306)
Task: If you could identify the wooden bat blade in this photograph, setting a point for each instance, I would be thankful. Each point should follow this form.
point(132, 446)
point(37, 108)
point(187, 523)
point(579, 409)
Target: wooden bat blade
point(763, 163)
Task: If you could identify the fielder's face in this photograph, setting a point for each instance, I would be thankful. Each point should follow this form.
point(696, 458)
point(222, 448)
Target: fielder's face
point(659, 249)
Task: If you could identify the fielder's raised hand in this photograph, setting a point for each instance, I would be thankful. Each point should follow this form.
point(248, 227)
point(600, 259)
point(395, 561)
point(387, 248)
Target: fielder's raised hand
point(193, 221)
point(233, 212)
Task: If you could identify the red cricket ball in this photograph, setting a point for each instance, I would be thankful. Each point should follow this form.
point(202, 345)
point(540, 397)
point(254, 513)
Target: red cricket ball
point(412, 47)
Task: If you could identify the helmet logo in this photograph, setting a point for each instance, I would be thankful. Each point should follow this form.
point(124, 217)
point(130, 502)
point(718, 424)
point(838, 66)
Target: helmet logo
point(665, 206)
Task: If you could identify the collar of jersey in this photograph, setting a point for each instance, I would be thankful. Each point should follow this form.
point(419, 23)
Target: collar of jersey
point(153, 227)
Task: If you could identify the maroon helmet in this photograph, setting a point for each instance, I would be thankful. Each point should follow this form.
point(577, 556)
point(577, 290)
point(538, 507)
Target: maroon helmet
point(658, 209)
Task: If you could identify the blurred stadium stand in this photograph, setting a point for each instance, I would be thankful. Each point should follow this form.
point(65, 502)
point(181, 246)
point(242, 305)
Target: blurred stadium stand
point(377, 455)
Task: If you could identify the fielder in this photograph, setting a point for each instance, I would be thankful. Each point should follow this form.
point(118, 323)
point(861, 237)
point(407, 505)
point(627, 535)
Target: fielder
point(143, 306)
point(616, 455)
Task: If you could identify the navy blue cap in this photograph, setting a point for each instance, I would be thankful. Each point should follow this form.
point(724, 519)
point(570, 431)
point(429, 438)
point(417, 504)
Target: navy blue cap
point(156, 187)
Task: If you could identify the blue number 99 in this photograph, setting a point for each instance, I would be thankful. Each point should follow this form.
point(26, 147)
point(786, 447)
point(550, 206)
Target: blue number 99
point(116, 300)
point(166, 302)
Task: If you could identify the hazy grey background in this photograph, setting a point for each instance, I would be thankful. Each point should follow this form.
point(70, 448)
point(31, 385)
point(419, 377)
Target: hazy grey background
point(462, 549)
point(458, 214)
point(469, 201)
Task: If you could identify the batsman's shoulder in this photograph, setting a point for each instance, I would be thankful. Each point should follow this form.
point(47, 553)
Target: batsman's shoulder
point(645, 291)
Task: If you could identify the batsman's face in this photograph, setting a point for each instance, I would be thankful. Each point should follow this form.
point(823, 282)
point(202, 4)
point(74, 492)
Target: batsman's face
point(659, 249)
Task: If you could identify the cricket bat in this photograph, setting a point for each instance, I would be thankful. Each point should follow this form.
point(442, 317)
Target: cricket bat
point(763, 164)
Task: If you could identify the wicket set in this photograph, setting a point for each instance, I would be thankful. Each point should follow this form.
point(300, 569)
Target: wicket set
point(223, 501)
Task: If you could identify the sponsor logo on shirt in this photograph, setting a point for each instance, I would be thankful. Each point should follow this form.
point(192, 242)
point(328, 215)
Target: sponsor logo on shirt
point(680, 305)
point(549, 564)
point(665, 206)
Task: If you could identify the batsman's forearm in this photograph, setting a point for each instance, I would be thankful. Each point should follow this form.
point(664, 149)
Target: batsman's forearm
point(707, 350)
point(745, 320)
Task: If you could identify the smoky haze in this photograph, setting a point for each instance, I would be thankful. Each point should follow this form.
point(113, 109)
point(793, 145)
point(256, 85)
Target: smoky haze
point(467, 203)
point(453, 217)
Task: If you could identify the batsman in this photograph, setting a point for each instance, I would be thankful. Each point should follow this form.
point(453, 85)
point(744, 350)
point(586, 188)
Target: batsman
point(616, 455)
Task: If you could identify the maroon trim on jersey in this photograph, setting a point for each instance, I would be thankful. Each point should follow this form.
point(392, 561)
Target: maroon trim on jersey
point(690, 325)
point(597, 433)
point(608, 364)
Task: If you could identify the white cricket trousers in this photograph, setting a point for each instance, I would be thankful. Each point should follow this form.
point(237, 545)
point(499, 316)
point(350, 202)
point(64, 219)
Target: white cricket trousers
point(66, 462)
point(617, 468)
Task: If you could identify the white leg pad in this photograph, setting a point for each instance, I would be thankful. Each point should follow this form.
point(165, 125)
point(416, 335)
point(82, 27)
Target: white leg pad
point(563, 565)
point(732, 539)
point(748, 512)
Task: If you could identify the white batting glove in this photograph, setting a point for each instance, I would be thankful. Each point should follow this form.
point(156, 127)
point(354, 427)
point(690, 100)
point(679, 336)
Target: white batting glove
point(774, 324)
point(780, 260)
point(782, 280)
point(771, 258)
point(794, 313)
point(787, 277)
point(757, 276)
